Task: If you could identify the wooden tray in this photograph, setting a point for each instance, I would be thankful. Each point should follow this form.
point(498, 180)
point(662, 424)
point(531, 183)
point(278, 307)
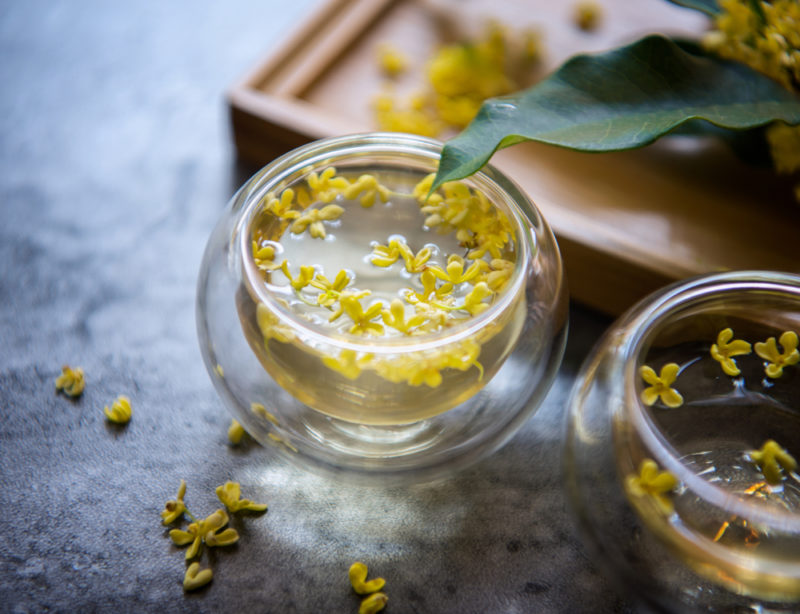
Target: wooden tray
point(627, 223)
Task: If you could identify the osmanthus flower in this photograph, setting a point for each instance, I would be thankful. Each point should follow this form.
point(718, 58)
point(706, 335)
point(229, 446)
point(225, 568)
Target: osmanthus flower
point(264, 256)
point(473, 301)
point(235, 432)
point(386, 255)
point(430, 291)
point(326, 186)
point(776, 361)
point(362, 319)
point(771, 458)
point(344, 297)
point(120, 410)
point(661, 385)
point(71, 381)
point(303, 278)
point(368, 187)
point(395, 317)
point(373, 604)
point(726, 348)
point(358, 580)
point(283, 207)
point(415, 263)
point(455, 273)
point(195, 578)
point(174, 508)
point(653, 483)
point(313, 220)
point(421, 190)
point(208, 530)
point(391, 61)
point(348, 363)
point(331, 290)
point(270, 325)
point(414, 118)
point(499, 273)
point(230, 495)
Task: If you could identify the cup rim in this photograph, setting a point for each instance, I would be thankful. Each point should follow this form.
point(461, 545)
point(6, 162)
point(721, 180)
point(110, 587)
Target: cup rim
point(315, 153)
point(648, 314)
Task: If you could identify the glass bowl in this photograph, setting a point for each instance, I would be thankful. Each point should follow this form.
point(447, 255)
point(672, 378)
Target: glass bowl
point(365, 329)
point(682, 431)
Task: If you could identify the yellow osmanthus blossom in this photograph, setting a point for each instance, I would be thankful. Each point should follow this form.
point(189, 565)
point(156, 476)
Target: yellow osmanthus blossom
point(264, 256)
point(344, 297)
point(499, 273)
point(415, 263)
point(283, 207)
point(784, 145)
point(653, 483)
point(587, 15)
point(386, 255)
point(326, 186)
point(395, 317)
point(174, 508)
point(120, 410)
point(358, 580)
point(422, 189)
point(235, 432)
point(455, 273)
point(195, 578)
point(426, 368)
point(331, 290)
point(313, 220)
point(230, 495)
point(391, 61)
point(415, 118)
point(473, 301)
point(207, 530)
point(430, 291)
point(776, 360)
point(303, 278)
point(362, 319)
point(348, 363)
point(661, 385)
point(71, 381)
point(725, 349)
point(271, 326)
point(373, 604)
point(368, 188)
point(771, 458)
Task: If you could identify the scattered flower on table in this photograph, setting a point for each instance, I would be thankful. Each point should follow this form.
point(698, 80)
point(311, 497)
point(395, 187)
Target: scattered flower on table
point(71, 381)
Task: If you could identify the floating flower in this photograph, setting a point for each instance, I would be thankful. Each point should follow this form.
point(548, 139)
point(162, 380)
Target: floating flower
point(362, 319)
point(230, 495)
point(358, 580)
point(282, 207)
point(653, 483)
point(303, 278)
point(369, 188)
point(660, 385)
point(500, 271)
point(235, 432)
point(313, 219)
point(71, 381)
point(429, 289)
point(455, 273)
point(326, 186)
point(768, 350)
point(395, 317)
point(770, 459)
point(724, 350)
point(263, 256)
point(120, 411)
point(174, 508)
point(330, 290)
point(195, 577)
point(386, 255)
point(206, 530)
point(473, 302)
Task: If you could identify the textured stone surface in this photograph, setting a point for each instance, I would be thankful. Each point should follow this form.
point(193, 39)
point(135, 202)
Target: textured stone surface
point(116, 161)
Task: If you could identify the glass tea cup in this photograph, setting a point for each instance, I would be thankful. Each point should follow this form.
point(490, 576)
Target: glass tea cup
point(366, 328)
point(682, 439)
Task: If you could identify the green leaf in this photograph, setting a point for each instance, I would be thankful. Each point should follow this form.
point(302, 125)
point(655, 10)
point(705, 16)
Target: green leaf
point(709, 7)
point(621, 99)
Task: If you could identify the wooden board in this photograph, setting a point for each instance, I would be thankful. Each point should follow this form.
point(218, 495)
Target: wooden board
point(627, 222)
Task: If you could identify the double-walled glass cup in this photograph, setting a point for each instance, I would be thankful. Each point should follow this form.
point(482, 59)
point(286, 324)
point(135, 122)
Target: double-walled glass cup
point(682, 446)
point(362, 326)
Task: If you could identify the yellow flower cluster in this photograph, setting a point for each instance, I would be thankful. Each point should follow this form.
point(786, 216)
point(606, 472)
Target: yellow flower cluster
point(120, 411)
point(483, 230)
point(210, 531)
point(766, 37)
point(661, 385)
point(776, 361)
point(376, 600)
point(459, 78)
